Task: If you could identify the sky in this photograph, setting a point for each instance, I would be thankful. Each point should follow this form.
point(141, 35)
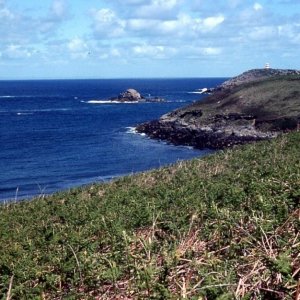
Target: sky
point(146, 38)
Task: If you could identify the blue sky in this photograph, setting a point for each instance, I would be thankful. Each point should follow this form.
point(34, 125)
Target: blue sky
point(146, 38)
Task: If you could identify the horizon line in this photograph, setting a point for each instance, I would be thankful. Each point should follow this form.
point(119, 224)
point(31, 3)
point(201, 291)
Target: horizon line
point(111, 78)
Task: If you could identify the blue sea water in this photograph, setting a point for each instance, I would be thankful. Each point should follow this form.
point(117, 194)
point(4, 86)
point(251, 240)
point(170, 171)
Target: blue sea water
point(53, 138)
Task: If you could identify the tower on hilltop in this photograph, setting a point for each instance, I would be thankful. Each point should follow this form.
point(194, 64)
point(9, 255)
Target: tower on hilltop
point(267, 66)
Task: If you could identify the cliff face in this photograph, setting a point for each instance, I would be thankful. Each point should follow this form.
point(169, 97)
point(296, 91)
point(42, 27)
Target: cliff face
point(256, 105)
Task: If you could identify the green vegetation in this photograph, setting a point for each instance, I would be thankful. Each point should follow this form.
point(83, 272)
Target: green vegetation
point(222, 227)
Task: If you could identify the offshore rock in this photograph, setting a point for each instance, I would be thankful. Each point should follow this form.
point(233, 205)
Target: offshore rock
point(129, 95)
point(132, 95)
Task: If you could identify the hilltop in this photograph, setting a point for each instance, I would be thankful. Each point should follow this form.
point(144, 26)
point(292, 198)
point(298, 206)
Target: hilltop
point(256, 105)
point(257, 74)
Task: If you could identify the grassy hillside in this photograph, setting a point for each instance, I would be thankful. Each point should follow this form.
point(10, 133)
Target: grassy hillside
point(222, 227)
point(241, 111)
point(271, 102)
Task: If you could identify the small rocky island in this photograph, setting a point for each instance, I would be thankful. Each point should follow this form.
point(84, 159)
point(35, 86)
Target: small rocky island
point(132, 95)
point(256, 105)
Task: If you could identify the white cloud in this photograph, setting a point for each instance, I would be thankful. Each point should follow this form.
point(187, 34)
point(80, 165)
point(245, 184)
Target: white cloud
point(78, 48)
point(105, 53)
point(212, 22)
point(150, 29)
point(48, 25)
point(153, 51)
point(211, 51)
point(77, 44)
point(195, 26)
point(5, 13)
point(107, 24)
point(115, 52)
point(131, 2)
point(158, 9)
point(234, 3)
point(257, 6)
point(59, 8)
point(141, 24)
point(183, 26)
point(195, 52)
point(14, 51)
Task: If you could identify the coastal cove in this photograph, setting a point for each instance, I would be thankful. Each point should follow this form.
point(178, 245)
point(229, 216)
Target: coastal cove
point(223, 226)
point(53, 136)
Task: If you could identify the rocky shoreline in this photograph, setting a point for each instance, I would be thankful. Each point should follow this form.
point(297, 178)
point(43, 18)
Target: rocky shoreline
point(208, 136)
point(240, 111)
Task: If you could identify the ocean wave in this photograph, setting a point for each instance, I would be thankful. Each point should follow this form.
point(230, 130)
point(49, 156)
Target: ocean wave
point(6, 96)
point(32, 96)
point(24, 113)
point(19, 96)
point(110, 102)
point(33, 111)
point(132, 130)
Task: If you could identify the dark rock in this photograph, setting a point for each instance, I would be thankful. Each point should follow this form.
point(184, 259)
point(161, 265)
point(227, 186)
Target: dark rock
point(212, 137)
point(130, 95)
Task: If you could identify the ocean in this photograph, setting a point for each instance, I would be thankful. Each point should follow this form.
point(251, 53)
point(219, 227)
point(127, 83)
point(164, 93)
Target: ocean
point(55, 136)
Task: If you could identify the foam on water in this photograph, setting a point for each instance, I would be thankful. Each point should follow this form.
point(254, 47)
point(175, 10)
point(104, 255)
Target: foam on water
point(110, 102)
point(132, 130)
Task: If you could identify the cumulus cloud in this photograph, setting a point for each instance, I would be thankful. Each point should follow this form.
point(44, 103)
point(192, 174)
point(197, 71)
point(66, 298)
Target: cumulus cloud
point(58, 14)
point(130, 2)
point(234, 3)
point(211, 51)
point(196, 52)
point(78, 48)
point(212, 22)
point(182, 26)
point(147, 30)
point(158, 9)
point(153, 51)
point(107, 24)
point(58, 9)
point(5, 13)
point(257, 6)
point(196, 26)
point(16, 52)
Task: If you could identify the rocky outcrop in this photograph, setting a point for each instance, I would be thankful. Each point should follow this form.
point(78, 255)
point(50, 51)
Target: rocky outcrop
point(236, 113)
point(130, 95)
point(216, 135)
